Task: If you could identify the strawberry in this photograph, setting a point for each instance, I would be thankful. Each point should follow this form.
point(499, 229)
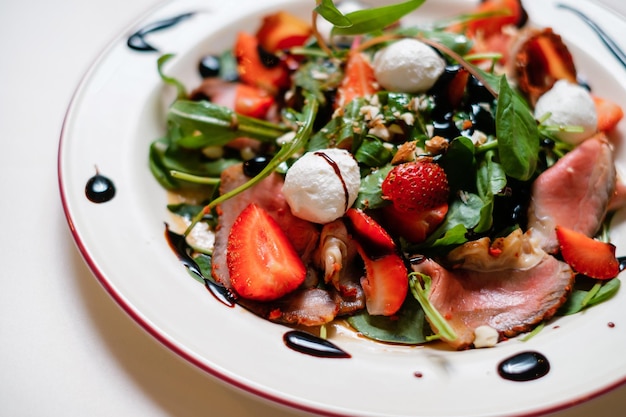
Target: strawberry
point(252, 101)
point(251, 69)
point(587, 256)
point(385, 283)
point(609, 113)
point(413, 227)
point(262, 263)
point(359, 79)
point(386, 279)
point(282, 30)
point(416, 186)
point(503, 13)
point(370, 234)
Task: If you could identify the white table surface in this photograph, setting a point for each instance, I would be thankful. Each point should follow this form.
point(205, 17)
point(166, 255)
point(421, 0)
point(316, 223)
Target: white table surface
point(66, 348)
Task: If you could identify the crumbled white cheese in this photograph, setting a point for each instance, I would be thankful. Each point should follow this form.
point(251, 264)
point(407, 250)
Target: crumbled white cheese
point(321, 185)
point(485, 336)
point(408, 66)
point(569, 105)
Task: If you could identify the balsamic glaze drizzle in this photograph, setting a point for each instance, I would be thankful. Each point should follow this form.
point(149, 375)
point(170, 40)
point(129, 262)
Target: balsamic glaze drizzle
point(335, 168)
point(309, 344)
point(181, 248)
point(606, 39)
point(99, 189)
point(137, 40)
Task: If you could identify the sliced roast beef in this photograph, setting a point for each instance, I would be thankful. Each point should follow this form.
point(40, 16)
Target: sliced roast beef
point(510, 301)
point(574, 192)
point(306, 307)
point(268, 195)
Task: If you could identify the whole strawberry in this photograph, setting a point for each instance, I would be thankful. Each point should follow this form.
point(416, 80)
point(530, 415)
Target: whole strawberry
point(416, 186)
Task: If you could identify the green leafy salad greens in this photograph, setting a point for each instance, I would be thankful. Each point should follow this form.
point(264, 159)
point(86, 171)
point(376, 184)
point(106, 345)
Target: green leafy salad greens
point(485, 177)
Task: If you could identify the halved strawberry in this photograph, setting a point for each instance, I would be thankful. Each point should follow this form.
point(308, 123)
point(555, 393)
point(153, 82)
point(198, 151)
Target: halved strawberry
point(359, 79)
point(386, 278)
point(586, 255)
point(262, 262)
point(416, 186)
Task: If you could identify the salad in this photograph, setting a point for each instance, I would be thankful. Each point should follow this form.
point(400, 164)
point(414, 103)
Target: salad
point(453, 182)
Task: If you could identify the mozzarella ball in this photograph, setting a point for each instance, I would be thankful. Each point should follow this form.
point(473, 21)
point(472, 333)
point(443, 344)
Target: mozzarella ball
point(322, 185)
point(569, 105)
point(408, 66)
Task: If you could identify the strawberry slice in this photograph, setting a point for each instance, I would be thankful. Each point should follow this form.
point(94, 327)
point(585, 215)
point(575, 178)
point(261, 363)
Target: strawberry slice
point(371, 235)
point(415, 227)
point(262, 262)
point(252, 101)
point(587, 256)
point(499, 13)
point(251, 69)
point(385, 283)
point(282, 30)
point(359, 79)
point(386, 278)
point(609, 113)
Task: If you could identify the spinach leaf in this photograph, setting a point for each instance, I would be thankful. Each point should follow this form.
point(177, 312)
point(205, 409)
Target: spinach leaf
point(517, 133)
point(372, 152)
point(375, 19)
point(459, 163)
point(491, 179)
point(407, 326)
point(345, 131)
point(581, 299)
point(370, 195)
point(317, 76)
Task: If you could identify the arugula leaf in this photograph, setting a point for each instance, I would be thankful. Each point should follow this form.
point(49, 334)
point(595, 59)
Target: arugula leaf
point(327, 9)
point(517, 133)
point(581, 299)
point(180, 87)
point(375, 19)
point(420, 288)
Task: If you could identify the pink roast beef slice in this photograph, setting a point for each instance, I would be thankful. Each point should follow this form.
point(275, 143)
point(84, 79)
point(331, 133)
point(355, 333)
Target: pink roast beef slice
point(510, 301)
point(573, 193)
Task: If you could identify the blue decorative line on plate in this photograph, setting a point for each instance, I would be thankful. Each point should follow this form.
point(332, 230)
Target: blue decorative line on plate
point(137, 40)
point(606, 39)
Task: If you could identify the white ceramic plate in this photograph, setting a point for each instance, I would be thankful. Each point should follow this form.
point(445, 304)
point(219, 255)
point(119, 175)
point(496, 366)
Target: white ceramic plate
point(118, 110)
